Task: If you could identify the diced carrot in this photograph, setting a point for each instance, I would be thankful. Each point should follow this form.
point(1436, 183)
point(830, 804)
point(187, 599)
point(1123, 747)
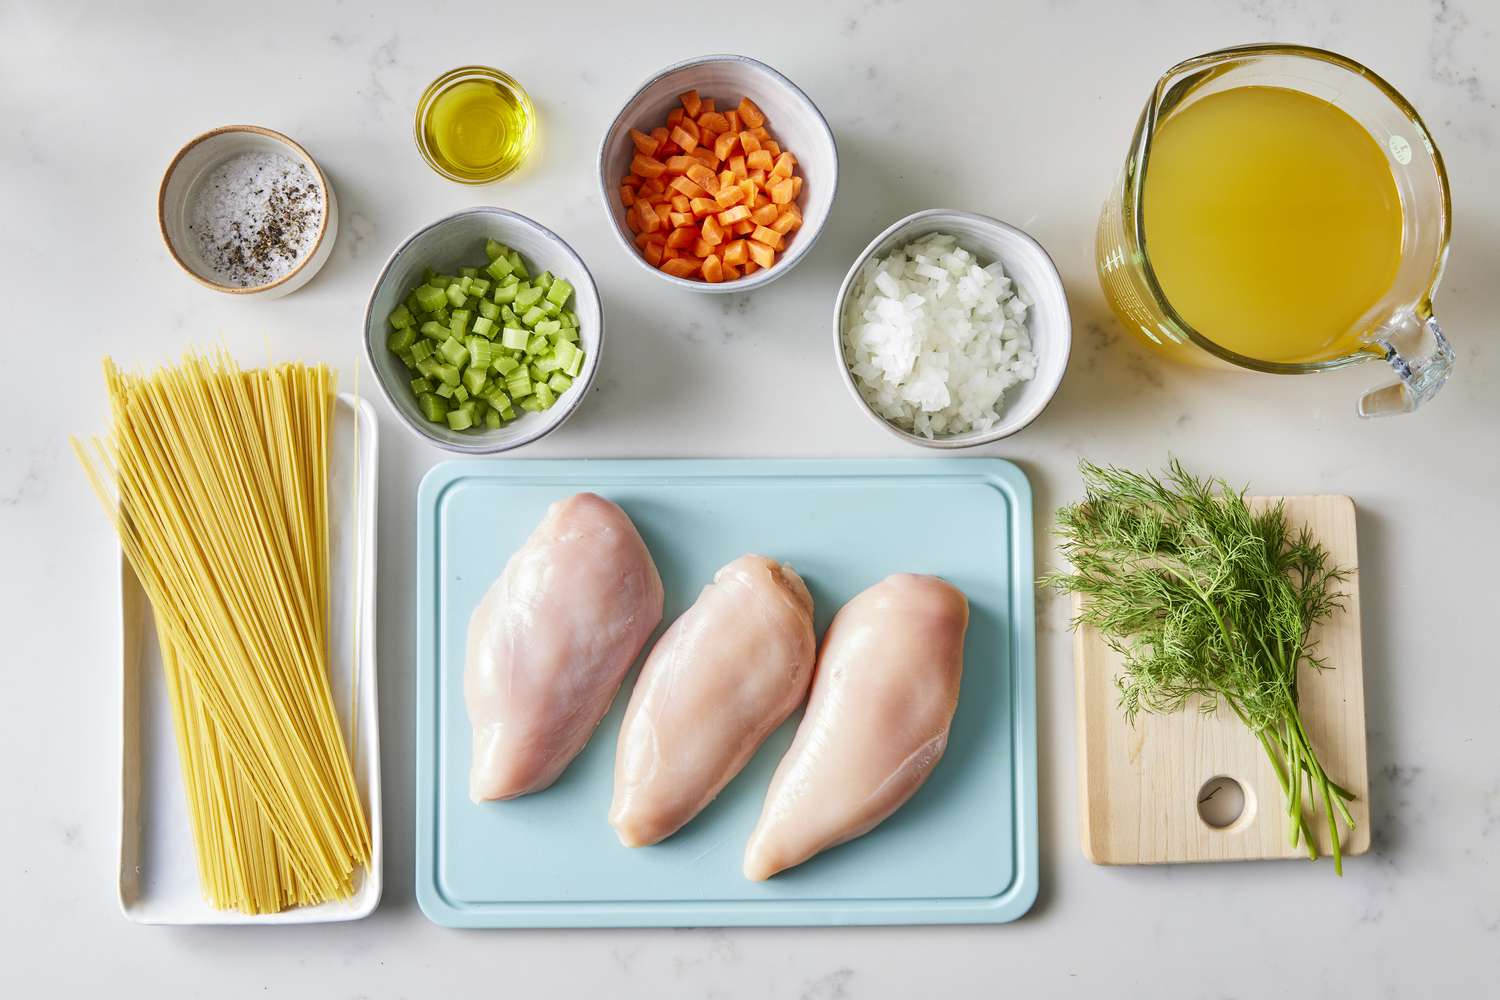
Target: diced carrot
point(687, 187)
point(712, 121)
point(750, 114)
point(682, 203)
point(786, 222)
point(646, 166)
point(680, 267)
point(750, 268)
point(758, 177)
point(781, 191)
point(686, 236)
point(727, 178)
point(735, 252)
point(730, 216)
point(680, 219)
point(737, 166)
point(627, 195)
point(705, 155)
point(769, 237)
point(713, 269)
point(632, 220)
point(675, 116)
point(713, 233)
point(653, 253)
point(643, 142)
point(733, 118)
point(642, 239)
point(691, 128)
point(662, 210)
point(748, 142)
point(765, 214)
point(659, 134)
point(754, 196)
point(774, 147)
point(762, 255)
point(707, 105)
point(632, 180)
point(650, 223)
point(702, 249)
point(704, 206)
point(784, 165)
point(668, 149)
point(692, 103)
point(797, 186)
point(681, 137)
point(670, 253)
point(743, 228)
point(705, 178)
point(724, 145)
point(758, 160)
point(760, 133)
point(731, 272)
point(729, 195)
point(679, 164)
point(653, 186)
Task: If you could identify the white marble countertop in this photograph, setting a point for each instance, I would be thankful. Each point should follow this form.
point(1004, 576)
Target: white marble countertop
point(1025, 114)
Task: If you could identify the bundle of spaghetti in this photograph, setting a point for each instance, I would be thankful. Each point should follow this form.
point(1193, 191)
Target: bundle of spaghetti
point(216, 480)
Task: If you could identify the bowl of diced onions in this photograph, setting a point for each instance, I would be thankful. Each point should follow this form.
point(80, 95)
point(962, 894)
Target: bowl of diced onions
point(952, 329)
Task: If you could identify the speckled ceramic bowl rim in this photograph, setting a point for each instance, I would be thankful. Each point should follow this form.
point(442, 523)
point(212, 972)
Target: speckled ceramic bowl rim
point(290, 143)
point(985, 222)
point(572, 398)
point(799, 247)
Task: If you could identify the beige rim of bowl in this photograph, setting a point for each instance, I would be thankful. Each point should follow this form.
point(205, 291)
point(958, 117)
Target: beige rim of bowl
point(161, 207)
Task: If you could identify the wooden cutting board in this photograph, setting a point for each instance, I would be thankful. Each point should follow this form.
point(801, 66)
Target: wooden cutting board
point(1140, 786)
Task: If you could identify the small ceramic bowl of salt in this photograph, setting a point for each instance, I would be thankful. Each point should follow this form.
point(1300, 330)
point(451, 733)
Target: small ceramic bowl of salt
point(247, 211)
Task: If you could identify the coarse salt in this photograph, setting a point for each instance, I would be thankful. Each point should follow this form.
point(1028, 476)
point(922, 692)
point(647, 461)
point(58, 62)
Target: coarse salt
point(256, 216)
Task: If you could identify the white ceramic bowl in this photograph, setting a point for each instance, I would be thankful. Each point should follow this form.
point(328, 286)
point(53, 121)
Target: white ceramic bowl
point(457, 241)
point(791, 116)
point(193, 163)
point(1048, 321)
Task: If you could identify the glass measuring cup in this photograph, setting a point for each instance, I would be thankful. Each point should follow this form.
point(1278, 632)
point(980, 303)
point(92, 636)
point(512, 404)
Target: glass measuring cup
point(1400, 327)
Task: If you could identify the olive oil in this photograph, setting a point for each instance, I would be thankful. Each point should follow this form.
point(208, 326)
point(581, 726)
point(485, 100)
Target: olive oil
point(1272, 221)
point(475, 125)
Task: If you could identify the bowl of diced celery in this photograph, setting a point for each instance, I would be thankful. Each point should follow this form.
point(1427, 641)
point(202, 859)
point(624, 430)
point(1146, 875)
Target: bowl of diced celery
point(484, 330)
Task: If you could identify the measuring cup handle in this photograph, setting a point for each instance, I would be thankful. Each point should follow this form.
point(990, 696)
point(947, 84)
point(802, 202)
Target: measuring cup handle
point(1422, 358)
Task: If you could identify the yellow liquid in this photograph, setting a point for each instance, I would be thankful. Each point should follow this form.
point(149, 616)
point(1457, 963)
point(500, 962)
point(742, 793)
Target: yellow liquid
point(1272, 222)
point(478, 130)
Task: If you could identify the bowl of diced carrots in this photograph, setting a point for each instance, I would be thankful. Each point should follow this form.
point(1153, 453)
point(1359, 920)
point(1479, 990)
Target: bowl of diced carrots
point(718, 174)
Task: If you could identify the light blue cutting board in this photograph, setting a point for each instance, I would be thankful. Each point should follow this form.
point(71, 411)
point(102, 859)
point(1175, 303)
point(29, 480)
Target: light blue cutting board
point(963, 850)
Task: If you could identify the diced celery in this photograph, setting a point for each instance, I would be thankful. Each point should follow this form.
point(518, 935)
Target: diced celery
point(568, 333)
point(430, 297)
point(548, 328)
point(505, 364)
point(448, 374)
point(413, 306)
point(481, 353)
point(407, 360)
point(422, 350)
point(499, 268)
point(488, 309)
point(508, 317)
point(484, 326)
point(547, 364)
point(462, 314)
point(537, 345)
point(421, 385)
point(461, 394)
point(445, 390)
point(455, 296)
point(401, 338)
point(537, 375)
point(543, 280)
point(564, 352)
point(533, 316)
point(480, 287)
point(433, 407)
point(551, 309)
point(559, 292)
point(528, 297)
point(457, 325)
point(459, 420)
point(568, 318)
point(474, 380)
point(433, 329)
point(493, 249)
point(400, 317)
point(428, 367)
point(514, 338)
point(575, 366)
point(518, 265)
point(441, 315)
point(531, 404)
point(518, 385)
point(454, 352)
point(559, 383)
point(544, 395)
point(508, 414)
point(492, 420)
point(468, 272)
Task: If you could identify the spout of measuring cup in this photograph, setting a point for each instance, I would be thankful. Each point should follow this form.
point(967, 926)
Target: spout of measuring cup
point(1422, 359)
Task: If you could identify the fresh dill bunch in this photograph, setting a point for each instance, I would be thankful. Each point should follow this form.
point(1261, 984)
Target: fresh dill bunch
point(1205, 599)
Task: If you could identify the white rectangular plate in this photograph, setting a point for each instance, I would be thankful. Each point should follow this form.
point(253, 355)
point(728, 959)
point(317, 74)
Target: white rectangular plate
point(158, 863)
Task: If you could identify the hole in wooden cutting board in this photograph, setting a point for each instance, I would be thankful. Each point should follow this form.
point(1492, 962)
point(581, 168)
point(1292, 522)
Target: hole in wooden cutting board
point(1222, 803)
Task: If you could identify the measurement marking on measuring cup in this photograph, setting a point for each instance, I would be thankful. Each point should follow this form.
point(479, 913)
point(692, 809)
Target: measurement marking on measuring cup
point(1400, 149)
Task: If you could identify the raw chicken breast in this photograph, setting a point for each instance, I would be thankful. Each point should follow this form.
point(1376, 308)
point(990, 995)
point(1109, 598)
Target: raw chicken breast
point(717, 683)
point(551, 641)
point(876, 724)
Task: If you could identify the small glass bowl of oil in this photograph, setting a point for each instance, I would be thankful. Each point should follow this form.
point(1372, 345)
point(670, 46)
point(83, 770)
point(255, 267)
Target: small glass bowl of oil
point(475, 124)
